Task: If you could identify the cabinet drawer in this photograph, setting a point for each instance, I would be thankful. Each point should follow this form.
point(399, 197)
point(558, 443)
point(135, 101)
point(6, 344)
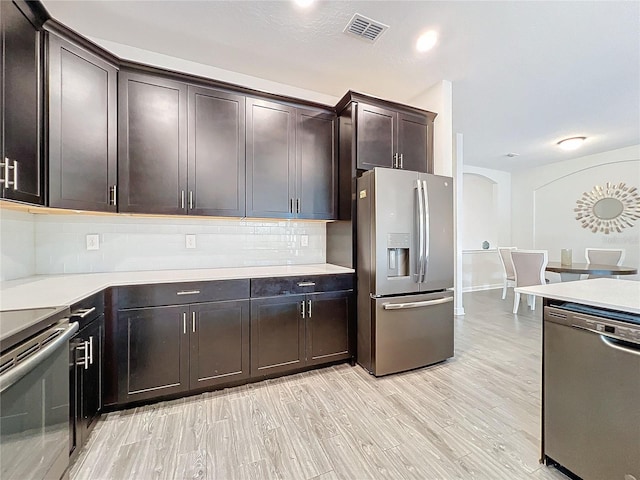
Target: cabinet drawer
point(271, 287)
point(181, 293)
point(88, 309)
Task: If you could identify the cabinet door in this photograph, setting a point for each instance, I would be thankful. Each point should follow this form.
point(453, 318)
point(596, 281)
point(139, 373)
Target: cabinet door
point(216, 175)
point(152, 144)
point(153, 358)
point(277, 335)
point(375, 137)
point(21, 110)
point(270, 159)
point(327, 326)
point(82, 129)
point(413, 139)
point(219, 343)
point(92, 376)
point(316, 167)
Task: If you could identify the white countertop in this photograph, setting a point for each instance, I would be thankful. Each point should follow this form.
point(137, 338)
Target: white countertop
point(56, 290)
point(622, 295)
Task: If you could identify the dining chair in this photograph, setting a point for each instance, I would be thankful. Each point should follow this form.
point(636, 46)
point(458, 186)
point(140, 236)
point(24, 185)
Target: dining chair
point(604, 256)
point(508, 274)
point(529, 266)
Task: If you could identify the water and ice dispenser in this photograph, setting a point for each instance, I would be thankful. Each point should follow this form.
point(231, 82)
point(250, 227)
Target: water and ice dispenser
point(398, 255)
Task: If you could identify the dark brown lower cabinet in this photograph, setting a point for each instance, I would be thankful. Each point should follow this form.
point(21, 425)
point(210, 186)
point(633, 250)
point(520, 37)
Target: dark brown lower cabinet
point(152, 352)
point(277, 334)
point(219, 343)
point(85, 382)
point(327, 327)
point(293, 331)
point(174, 349)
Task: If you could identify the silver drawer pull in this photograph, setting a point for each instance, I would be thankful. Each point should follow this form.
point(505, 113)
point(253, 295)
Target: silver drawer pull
point(306, 284)
point(83, 312)
point(188, 292)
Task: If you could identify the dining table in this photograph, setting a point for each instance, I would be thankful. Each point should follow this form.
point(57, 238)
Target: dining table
point(569, 273)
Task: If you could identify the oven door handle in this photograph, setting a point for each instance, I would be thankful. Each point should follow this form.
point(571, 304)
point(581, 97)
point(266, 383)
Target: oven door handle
point(10, 377)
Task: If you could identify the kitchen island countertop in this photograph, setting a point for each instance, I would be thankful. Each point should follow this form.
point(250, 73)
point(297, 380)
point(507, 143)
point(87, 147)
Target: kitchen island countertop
point(611, 293)
point(56, 290)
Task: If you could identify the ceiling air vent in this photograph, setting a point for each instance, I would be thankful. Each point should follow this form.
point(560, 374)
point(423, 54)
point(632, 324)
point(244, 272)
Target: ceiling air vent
point(365, 28)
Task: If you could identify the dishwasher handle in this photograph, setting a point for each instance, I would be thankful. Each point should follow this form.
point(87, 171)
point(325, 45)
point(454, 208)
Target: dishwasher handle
point(426, 303)
point(612, 343)
point(10, 377)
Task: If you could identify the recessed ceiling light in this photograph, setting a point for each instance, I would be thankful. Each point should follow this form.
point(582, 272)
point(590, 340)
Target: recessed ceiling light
point(571, 143)
point(513, 154)
point(427, 41)
point(303, 3)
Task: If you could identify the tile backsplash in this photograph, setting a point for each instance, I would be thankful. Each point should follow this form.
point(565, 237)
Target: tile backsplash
point(159, 243)
point(17, 244)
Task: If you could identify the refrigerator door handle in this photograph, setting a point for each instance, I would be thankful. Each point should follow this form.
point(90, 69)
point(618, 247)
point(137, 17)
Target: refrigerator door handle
point(426, 303)
point(426, 232)
point(421, 213)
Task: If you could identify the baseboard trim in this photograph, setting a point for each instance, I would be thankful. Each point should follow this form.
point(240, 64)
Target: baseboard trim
point(477, 288)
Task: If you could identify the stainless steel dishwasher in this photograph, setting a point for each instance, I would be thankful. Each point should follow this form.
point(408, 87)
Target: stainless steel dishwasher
point(591, 392)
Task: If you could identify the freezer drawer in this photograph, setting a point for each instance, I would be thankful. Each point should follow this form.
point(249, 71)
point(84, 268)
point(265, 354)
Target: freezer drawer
point(411, 331)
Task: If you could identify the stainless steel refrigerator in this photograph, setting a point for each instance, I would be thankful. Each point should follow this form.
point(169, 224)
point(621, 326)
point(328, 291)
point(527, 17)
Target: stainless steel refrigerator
point(405, 270)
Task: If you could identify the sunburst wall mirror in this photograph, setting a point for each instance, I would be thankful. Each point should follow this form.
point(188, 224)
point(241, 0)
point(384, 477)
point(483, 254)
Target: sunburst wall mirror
point(609, 208)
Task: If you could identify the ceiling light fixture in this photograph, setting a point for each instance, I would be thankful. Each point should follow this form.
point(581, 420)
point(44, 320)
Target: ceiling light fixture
point(571, 143)
point(427, 41)
point(303, 3)
point(513, 154)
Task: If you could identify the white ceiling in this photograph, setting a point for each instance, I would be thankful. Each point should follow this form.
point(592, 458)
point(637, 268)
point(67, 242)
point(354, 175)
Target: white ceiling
point(524, 74)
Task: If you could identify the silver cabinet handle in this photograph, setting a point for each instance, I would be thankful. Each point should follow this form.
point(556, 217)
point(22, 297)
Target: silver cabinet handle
point(302, 309)
point(83, 312)
point(188, 292)
point(306, 284)
point(10, 377)
point(91, 349)
point(184, 323)
point(181, 198)
point(297, 205)
point(309, 307)
point(85, 350)
point(426, 303)
point(7, 167)
point(15, 175)
point(191, 199)
point(291, 205)
point(395, 160)
point(3, 165)
point(401, 161)
point(193, 321)
point(113, 193)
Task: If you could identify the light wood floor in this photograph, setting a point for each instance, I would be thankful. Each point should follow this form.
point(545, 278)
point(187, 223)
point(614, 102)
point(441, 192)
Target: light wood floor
point(476, 416)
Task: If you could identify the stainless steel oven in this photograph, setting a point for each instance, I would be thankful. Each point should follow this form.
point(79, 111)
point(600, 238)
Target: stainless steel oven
point(34, 395)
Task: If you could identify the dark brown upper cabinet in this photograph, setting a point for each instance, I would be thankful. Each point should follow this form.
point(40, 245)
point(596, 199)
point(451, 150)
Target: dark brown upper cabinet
point(21, 174)
point(392, 139)
point(216, 165)
point(376, 137)
point(291, 170)
point(316, 168)
point(270, 159)
point(82, 128)
point(152, 144)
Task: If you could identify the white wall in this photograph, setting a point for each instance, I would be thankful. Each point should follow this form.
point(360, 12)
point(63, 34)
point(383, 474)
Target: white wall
point(186, 66)
point(55, 244)
point(486, 216)
point(544, 199)
point(438, 99)
point(17, 244)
